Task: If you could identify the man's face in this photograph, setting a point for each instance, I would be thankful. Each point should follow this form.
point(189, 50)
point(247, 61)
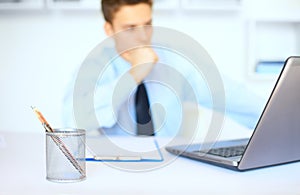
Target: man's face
point(131, 19)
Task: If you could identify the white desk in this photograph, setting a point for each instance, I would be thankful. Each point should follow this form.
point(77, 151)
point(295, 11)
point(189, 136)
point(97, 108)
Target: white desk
point(22, 170)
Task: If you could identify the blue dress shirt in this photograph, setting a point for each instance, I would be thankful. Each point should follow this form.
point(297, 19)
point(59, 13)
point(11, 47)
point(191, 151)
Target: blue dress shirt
point(172, 81)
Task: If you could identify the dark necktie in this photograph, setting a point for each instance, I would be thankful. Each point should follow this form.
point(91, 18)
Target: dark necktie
point(143, 115)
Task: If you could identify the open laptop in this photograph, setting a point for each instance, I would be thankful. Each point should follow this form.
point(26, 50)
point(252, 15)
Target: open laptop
point(276, 138)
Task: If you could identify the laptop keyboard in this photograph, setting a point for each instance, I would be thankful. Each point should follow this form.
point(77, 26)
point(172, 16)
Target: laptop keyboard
point(228, 151)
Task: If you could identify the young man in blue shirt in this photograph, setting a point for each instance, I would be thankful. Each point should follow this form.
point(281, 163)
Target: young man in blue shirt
point(128, 23)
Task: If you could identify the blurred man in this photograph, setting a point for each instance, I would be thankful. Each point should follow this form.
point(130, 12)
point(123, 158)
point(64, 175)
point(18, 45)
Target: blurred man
point(125, 96)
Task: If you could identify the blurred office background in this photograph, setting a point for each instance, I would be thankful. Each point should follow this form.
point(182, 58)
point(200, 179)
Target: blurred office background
point(41, 41)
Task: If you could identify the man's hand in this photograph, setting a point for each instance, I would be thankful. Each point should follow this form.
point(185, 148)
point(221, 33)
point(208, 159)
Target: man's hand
point(142, 61)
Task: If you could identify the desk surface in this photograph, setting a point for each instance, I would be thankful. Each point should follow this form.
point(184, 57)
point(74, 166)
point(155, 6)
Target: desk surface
point(23, 168)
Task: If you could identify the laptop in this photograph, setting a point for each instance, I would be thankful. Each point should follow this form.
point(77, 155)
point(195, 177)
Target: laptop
point(276, 137)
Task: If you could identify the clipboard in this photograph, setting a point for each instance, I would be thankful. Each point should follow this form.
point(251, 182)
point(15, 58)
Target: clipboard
point(123, 149)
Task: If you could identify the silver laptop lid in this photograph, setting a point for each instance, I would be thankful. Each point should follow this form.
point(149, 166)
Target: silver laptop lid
point(276, 138)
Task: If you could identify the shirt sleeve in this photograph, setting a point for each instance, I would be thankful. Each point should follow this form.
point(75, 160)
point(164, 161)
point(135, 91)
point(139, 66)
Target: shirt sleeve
point(110, 96)
point(93, 99)
point(242, 104)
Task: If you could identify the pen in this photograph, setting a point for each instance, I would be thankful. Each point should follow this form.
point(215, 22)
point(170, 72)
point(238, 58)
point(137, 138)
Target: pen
point(58, 141)
point(122, 159)
point(104, 158)
point(119, 158)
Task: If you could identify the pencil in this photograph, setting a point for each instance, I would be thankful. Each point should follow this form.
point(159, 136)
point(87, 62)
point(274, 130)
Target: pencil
point(58, 141)
point(42, 119)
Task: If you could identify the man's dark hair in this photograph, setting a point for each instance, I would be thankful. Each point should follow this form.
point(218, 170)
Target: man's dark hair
point(110, 7)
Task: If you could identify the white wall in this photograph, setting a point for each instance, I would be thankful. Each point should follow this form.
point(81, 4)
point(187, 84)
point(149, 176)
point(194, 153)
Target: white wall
point(39, 48)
